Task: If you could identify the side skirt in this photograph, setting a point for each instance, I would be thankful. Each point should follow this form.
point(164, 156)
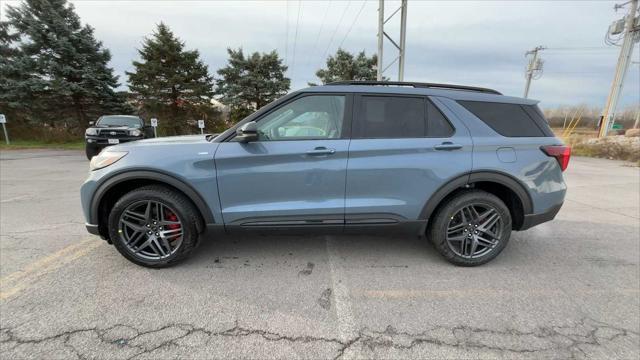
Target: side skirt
point(405, 227)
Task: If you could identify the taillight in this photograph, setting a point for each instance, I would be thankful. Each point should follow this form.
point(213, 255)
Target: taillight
point(562, 153)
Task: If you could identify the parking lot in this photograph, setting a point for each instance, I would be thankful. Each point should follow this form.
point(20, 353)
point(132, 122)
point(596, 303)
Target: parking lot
point(568, 288)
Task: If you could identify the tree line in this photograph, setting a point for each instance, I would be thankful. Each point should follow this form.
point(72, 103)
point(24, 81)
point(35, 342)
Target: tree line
point(55, 76)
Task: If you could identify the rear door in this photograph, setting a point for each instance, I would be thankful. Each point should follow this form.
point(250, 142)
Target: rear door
point(403, 149)
point(294, 175)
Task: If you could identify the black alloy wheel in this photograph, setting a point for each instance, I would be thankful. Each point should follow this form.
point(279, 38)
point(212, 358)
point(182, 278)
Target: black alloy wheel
point(154, 226)
point(471, 228)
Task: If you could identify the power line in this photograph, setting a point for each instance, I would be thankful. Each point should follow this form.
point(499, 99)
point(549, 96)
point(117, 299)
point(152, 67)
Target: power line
point(295, 37)
point(324, 56)
point(315, 43)
point(580, 48)
point(286, 41)
point(364, 2)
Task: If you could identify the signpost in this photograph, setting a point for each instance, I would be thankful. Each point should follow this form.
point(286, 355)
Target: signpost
point(154, 124)
point(3, 121)
point(201, 126)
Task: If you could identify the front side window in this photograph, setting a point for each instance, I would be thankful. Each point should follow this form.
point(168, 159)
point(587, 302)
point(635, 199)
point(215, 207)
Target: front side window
point(306, 118)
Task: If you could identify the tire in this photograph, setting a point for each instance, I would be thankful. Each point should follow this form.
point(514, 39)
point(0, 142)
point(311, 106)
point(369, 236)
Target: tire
point(449, 219)
point(91, 151)
point(172, 203)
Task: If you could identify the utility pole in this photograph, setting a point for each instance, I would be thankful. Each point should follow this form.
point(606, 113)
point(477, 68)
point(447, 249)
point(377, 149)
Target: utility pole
point(636, 125)
point(631, 36)
point(403, 39)
point(382, 34)
point(380, 38)
point(534, 68)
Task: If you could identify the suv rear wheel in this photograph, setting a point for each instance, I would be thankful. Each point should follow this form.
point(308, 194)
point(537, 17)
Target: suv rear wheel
point(154, 226)
point(471, 229)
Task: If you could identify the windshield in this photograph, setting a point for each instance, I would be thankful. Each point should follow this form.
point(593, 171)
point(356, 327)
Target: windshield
point(128, 121)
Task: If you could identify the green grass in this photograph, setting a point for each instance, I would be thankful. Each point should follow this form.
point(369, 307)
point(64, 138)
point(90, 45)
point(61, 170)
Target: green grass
point(35, 144)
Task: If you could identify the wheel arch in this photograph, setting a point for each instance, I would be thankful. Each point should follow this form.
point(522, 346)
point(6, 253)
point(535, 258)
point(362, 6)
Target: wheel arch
point(117, 185)
point(509, 189)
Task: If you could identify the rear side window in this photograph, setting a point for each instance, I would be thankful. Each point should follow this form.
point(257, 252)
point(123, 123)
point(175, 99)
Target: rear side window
point(399, 117)
point(511, 120)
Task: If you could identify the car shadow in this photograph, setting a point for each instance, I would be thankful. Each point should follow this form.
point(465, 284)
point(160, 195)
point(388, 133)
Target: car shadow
point(356, 250)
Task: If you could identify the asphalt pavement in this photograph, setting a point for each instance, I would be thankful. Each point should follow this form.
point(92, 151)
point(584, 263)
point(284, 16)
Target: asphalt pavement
point(565, 289)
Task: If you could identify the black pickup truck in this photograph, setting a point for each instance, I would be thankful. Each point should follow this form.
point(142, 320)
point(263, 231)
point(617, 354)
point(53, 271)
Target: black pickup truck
point(114, 129)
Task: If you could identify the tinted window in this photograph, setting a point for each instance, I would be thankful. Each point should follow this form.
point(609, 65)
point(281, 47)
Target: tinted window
point(399, 117)
point(439, 126)
point(506, 119)
point(308, 117)
point(390, 117)
point(537, 115)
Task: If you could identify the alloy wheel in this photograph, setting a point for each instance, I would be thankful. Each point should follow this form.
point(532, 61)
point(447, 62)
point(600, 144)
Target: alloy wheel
point(474, 230)
point(150, 229)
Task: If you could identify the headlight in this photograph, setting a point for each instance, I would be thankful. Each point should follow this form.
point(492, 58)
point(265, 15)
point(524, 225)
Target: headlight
point(105, 158)
point(135, 132)
point(91, 131)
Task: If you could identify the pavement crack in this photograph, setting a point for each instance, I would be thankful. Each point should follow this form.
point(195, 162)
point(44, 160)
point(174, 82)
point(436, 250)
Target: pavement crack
point(568, 341)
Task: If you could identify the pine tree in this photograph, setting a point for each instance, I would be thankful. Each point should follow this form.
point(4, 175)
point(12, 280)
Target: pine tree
point(344, 66)
point(249, 83)
point(58, 72)
point(171, 83)
point(9, 74)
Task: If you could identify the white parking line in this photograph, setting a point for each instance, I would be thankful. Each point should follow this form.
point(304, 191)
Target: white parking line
point(341, 297)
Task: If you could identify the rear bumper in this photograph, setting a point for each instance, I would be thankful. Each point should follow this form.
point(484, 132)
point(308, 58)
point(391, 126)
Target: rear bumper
point(532, 220)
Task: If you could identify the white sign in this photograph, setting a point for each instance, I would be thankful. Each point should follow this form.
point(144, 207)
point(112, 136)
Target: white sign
point(201, 124)
point(2, 119)
point(154, 122)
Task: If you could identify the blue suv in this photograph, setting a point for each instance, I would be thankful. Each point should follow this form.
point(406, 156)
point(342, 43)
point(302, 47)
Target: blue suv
point(462, 166)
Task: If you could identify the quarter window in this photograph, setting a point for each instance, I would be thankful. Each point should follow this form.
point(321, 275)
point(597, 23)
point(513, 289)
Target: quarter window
point(306, 118)
point(439, 126)
point(506, 119)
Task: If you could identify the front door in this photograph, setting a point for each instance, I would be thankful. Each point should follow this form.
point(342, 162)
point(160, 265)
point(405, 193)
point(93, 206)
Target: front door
point(295, 174)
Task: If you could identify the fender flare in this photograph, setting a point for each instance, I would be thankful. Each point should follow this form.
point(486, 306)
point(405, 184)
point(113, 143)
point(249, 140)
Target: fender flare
point(468, 179)
point(154, 175)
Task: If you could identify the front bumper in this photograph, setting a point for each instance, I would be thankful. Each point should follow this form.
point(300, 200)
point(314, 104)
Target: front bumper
point(532, 220)
point(92, 229)
point(103, 141)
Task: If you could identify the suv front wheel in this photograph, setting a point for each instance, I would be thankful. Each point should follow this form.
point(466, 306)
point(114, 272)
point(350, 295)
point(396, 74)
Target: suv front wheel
point(154, 226)
point(471, 229)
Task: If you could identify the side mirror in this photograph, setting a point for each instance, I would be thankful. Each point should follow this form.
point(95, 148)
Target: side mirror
point(247, 132)
point(91, 123)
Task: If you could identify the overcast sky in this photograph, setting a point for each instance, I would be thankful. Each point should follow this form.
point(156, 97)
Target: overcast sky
point(466, 42)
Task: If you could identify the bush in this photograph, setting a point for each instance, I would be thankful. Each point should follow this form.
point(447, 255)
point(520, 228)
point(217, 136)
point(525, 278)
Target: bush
point(611, 147)
point(44, 134)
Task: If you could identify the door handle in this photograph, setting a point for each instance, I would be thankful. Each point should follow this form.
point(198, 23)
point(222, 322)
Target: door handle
point(321, 151)
point(448, 145)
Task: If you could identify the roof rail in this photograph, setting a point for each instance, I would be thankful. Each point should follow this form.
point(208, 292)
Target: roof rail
point(417, 85)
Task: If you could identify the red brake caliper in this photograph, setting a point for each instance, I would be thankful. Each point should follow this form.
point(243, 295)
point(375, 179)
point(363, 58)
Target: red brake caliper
point(171, 217)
